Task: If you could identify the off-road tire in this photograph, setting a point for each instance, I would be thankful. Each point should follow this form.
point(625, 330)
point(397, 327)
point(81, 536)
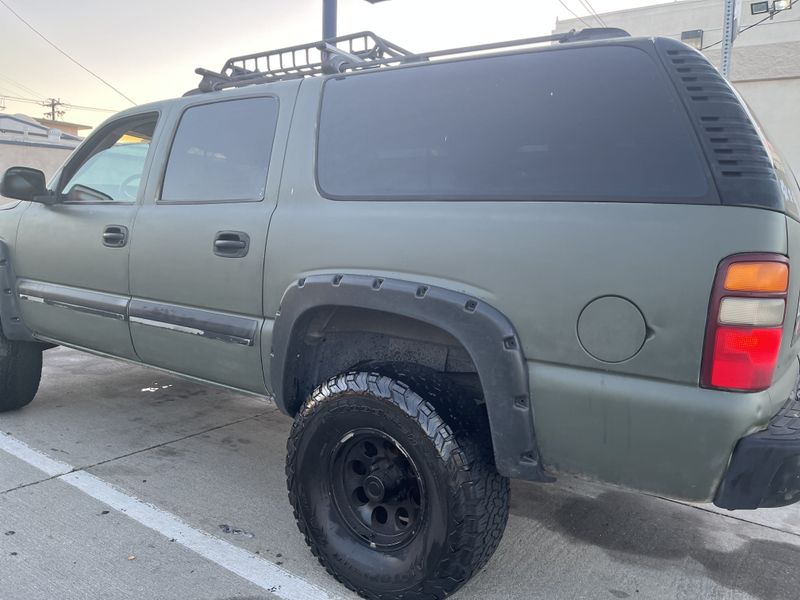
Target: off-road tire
point(20, 372)
point(467, 500)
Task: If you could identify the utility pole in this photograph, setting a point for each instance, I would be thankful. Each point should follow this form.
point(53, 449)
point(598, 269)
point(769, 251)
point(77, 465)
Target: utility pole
point(732, 12)
point(52, 105)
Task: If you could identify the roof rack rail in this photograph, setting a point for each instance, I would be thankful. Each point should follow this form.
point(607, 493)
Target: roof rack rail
point(597, 33)
point(353, 52)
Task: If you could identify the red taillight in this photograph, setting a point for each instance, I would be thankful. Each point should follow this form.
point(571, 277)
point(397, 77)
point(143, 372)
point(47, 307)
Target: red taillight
point(744, 358)
point(745, 322)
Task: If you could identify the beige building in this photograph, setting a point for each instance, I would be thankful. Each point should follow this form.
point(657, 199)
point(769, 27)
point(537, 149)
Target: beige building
point(766, 58)
point(65, 126)
point(26, 142)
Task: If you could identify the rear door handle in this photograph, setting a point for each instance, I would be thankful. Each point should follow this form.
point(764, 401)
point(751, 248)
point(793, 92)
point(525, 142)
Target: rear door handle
point(115, 236)
point(231, 244)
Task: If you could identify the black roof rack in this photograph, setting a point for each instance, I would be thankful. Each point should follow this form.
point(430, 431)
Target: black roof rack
point(353, 52)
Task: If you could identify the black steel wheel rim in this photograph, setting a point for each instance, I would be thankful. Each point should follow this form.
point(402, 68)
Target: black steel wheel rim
point(377, 488)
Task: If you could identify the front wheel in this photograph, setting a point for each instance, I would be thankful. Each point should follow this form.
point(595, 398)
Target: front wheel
point(393, 503)
point(20, 372)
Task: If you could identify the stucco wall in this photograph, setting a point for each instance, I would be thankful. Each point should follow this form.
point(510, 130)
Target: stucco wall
point(670, 19)
point(775, 104)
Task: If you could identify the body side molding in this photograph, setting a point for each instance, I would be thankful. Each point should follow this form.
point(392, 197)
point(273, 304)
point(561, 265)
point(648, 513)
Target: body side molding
point(488, 336)
point(223, 327)
point(232, 329)
point(101, 304)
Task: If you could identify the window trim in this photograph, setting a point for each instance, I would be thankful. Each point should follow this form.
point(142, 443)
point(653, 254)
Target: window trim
point(710, 197)
point(86, 148)
point(163, 175)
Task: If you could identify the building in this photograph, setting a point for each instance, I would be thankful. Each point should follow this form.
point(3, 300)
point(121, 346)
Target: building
point(766, 58)
point(65, 126)
point(26, 142)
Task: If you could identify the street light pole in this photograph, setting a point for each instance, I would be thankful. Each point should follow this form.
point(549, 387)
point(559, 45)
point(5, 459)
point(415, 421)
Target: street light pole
point(329, 19)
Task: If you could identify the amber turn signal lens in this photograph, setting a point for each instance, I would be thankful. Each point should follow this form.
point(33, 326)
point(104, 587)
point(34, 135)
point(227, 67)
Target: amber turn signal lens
point(757, 277)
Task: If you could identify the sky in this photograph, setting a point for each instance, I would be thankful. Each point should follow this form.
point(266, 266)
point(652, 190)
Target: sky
point(148, 49)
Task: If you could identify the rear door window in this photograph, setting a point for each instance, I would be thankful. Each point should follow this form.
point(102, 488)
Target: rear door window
point(596, 123)
point(221, 152)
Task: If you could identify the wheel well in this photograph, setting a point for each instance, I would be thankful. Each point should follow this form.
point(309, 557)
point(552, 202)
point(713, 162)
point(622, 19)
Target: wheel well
point(327, 324)
point(334, 339)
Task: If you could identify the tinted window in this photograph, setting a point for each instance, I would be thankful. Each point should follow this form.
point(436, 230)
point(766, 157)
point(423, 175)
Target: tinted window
point(594, 123)
point(221, 152)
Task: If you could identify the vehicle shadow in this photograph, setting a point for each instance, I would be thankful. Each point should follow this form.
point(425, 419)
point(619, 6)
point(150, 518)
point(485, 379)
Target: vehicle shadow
point(659, 534)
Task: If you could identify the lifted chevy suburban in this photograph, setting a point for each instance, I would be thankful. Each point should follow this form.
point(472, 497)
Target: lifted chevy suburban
point(568, 254)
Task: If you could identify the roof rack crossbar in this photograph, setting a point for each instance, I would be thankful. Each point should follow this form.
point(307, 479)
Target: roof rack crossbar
point(357, 51)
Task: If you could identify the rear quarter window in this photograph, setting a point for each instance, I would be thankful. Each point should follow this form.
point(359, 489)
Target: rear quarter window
point(596, 123)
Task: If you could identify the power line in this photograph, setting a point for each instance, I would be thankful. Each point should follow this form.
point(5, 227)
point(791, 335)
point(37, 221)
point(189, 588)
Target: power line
point(64, 104)
point(6, 93)
point(561, 2)
point(588, 6)
point(92, 73)
point(767, 18)
point(17, 99)
point(91, 108)
point(25, 88)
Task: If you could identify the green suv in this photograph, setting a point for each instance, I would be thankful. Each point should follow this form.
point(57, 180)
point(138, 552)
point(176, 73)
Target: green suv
point(568, 254)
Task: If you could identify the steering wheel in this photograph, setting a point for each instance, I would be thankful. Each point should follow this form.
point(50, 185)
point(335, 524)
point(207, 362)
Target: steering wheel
point(127, 189)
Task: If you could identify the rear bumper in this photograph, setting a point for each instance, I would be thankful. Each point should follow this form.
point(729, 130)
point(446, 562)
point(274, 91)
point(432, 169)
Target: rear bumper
point(765, 468)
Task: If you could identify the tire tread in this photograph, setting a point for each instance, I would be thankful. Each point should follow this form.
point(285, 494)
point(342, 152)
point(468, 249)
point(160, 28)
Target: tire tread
point(479, 495)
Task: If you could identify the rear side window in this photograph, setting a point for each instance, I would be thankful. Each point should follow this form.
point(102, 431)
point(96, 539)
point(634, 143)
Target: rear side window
point(583, 124)
point(221, 152)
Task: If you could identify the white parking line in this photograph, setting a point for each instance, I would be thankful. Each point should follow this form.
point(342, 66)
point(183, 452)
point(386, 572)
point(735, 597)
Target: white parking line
point(247, 565)
point(22, 451)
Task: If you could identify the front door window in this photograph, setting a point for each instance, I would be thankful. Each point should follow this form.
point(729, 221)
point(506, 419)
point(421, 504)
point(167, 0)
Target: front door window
point(112, 170)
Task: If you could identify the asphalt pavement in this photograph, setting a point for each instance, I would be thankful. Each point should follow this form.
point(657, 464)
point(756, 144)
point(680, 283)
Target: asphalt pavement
point(119, 482)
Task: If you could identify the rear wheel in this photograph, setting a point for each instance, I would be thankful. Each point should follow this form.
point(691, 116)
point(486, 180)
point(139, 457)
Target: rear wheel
point(393, 502)
point(20, 372)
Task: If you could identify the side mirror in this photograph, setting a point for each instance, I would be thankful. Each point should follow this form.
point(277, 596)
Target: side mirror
point(23, 183)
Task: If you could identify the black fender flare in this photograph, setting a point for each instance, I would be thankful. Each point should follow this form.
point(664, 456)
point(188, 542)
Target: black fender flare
point(10, 318)
point(486, 334)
